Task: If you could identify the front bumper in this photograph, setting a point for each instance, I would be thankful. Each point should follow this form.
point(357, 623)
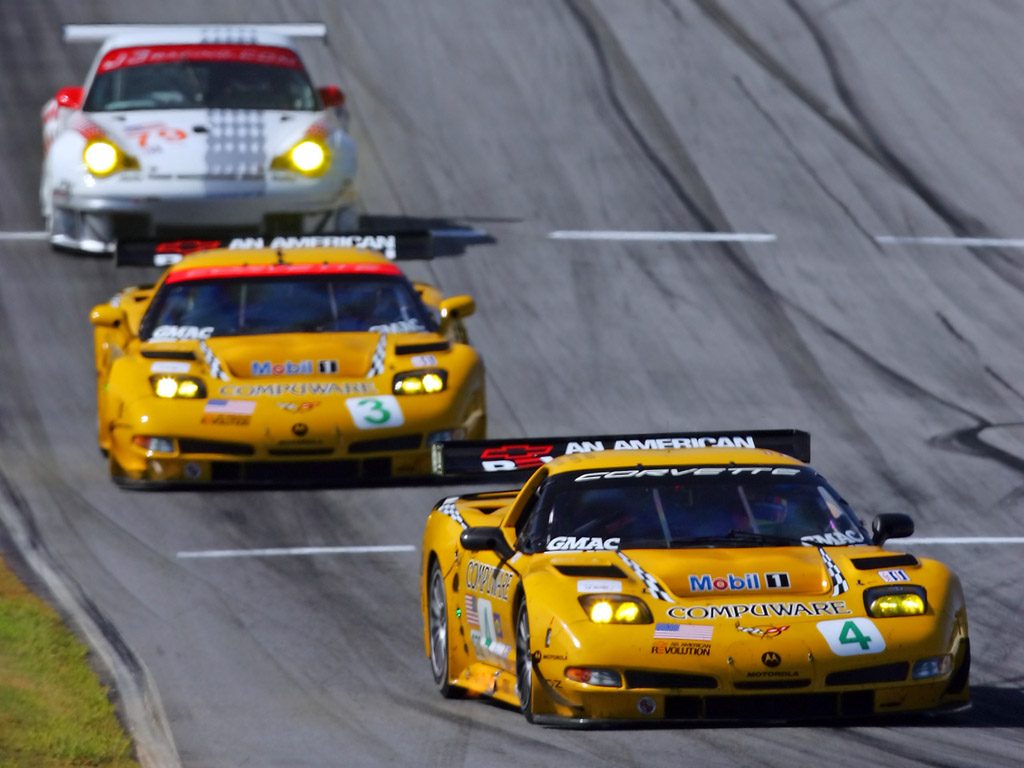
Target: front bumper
point(277, 447)
point(732, 684)
point(93, 220)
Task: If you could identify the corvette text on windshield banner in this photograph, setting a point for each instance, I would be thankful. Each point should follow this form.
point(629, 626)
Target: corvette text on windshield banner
point(523, 455)
point(402, 246)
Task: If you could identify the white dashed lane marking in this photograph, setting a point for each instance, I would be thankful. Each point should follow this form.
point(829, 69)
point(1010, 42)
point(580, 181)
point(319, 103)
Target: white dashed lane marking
point(16, 236)
point(662, 237)
point(959, 242)
point(293, 551)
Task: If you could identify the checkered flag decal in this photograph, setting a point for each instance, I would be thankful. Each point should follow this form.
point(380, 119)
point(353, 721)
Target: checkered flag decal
point(839, 584)
point(449, 508)
point(379, 355)
point(216, 369)
point(648, 580)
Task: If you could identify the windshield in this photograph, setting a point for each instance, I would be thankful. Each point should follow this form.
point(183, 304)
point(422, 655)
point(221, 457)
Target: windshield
point(201, 77)
point(680, 507)
point(199, 309)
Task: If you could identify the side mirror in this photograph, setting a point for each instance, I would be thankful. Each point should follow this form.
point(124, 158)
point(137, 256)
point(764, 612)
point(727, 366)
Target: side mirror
point(106, 316)
point(457, 307)
point(70, 97)
point(332, 96)
point(891, 525)
point(486, 539)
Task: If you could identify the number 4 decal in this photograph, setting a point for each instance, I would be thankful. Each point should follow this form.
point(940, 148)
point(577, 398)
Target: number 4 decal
point(375, 412)
point(852, 637)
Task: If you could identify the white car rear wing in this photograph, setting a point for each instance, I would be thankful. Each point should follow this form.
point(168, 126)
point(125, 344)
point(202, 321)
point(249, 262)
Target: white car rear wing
point(97, 33)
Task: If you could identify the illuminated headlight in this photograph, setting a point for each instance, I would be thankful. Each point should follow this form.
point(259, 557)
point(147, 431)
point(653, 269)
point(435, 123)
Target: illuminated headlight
point(615, 609)
point(309, 157)
point(187, 387)
point(103, 157)
point(420, 382)
point(904, 600)
point(154, 444)
point(603, 677)
point(936, 666)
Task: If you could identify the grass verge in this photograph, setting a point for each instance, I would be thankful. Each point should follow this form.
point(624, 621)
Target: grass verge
point(53, 710)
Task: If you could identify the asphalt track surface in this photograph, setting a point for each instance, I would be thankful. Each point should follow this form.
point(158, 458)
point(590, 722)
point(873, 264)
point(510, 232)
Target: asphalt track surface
point(826, 124)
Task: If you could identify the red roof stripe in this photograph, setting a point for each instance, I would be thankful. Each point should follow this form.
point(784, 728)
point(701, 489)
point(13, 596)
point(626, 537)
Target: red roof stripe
point(281, 270)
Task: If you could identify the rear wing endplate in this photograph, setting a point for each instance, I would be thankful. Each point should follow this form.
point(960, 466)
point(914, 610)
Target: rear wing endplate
point(481, 458)
point(97, 33)
point(402, 246)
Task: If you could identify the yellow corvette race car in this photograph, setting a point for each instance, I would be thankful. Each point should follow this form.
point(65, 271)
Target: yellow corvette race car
point(284, 364)
point(681, 577)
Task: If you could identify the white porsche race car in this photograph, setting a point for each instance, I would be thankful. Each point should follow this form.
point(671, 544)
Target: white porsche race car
point(183, 128)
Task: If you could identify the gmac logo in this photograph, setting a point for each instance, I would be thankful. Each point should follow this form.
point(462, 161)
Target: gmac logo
point(771, 659)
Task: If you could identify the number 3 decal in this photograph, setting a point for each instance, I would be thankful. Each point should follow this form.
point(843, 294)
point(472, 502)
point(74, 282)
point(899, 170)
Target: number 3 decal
point(375, 412)
point(852, 637)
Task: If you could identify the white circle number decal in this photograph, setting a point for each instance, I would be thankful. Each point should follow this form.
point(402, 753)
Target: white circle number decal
point(376, 412)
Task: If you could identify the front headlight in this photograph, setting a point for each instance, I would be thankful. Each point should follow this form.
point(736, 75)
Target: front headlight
point(103, 157)
point(615, 609)
point(187, 387)
point(310, 157)
point(903, 600)
point(427, 382)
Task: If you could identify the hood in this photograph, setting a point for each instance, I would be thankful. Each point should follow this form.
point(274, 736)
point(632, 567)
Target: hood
point(310, 355)
point(775, 572)
point(200, 143)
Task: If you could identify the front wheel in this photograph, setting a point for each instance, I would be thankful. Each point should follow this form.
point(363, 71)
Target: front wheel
point(524, 662)
point(437, 626)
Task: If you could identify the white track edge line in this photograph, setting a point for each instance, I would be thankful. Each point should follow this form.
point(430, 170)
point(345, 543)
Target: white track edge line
point(292, 551)
point(663, 237)
point(961, 242)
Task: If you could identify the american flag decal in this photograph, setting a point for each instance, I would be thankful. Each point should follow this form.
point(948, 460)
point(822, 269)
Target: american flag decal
point(472, 617)
point(683, 632)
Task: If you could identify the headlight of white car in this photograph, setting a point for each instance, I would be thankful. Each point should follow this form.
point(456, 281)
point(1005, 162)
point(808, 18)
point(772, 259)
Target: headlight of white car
point(103, 157)
point(310, 157)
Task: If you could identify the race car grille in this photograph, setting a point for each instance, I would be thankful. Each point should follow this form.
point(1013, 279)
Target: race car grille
point(284, 472)
point(301, 451)
point(638, 678)
point(782, 706)
point(885, 673)
point(193, 445)
point(402, 443)
point(770, 685)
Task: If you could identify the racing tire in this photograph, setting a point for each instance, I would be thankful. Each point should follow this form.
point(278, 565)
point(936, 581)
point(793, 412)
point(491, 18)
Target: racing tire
point(524, 662)
point(437, 628)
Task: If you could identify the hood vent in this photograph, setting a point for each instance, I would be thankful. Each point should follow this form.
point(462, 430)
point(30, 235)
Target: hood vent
point(591, 571)
point(885, 561)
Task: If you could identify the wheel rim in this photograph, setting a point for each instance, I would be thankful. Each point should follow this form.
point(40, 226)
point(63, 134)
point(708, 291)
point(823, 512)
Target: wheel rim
point(438, 627)
point(524, 665)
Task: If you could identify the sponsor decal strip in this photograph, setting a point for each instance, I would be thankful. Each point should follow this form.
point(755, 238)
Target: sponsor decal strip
point(206, 554)
point(758, 610)
point(272, 56)
point(648, 580)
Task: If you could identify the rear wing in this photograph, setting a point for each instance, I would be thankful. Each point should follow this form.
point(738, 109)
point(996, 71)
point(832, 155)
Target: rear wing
point(97, 33)
point(515, 457)
point(404, 246)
